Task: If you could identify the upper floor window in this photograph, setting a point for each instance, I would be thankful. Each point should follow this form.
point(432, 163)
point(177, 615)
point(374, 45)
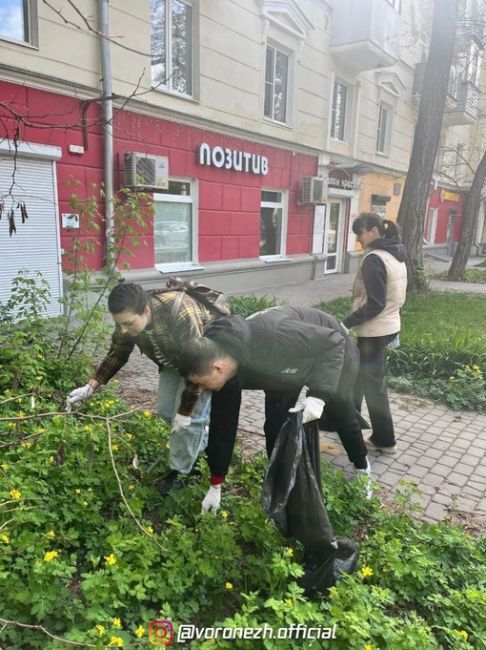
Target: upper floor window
point(18, 20)
point(276, 85)
point(384, 129)
point(173, 44)
point(340, 104)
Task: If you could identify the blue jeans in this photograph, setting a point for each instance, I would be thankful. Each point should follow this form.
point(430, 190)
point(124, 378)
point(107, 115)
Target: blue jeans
point(185, 444)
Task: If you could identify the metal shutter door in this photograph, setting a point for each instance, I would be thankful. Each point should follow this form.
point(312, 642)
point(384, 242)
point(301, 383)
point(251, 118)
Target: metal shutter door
point(35, 246)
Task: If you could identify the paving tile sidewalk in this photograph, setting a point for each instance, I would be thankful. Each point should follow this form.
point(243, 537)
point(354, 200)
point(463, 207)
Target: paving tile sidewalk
point(443, 451)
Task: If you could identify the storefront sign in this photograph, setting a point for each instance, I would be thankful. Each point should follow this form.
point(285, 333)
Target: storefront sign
point(341, 180)
point(450, 196)
point(239, 161)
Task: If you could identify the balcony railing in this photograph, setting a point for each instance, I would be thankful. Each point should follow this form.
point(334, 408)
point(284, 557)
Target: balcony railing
point(365, 35)
point(466, 109)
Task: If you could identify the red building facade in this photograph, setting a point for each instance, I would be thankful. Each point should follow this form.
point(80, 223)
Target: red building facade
point(227, 199)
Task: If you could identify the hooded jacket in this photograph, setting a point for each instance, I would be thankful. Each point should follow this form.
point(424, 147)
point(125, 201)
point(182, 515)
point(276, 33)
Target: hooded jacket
point(279, 349)
point(379, 289)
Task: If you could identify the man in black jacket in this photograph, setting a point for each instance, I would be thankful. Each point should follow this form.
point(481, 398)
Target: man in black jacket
point(279, 351)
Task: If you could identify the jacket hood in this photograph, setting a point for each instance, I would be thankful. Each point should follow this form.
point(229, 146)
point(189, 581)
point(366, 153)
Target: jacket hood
point(231, 332)
point(392, 246)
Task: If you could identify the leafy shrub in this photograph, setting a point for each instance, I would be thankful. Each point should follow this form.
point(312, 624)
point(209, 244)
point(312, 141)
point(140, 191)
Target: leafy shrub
point(247, 305)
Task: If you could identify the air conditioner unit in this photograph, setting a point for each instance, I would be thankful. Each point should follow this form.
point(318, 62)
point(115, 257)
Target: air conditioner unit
point(146, 172)
point(314, 190)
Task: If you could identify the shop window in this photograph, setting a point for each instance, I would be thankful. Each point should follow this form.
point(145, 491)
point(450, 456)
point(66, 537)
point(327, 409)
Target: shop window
point(383, 131)
point(378, 204)
point(18, 20)
point(340, 110)
point(173, 44)
point(277, 68)
point(173, 225)
point(273, 224)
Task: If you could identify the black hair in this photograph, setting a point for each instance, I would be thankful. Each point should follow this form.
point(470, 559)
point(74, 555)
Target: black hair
point(127, 295)
point(197, 356)
point(368, 220)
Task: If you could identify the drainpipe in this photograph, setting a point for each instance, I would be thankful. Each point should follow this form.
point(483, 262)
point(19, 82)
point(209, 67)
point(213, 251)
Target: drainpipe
point(104, 11)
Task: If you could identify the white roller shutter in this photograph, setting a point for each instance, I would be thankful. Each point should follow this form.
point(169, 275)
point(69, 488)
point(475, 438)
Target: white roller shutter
point(36, 244)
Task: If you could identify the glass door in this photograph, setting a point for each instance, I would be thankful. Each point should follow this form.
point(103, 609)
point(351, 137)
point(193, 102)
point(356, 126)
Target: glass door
point(332, 236)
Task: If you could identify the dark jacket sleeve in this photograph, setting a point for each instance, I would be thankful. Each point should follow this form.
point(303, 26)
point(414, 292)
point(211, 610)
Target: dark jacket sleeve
point(225, 411)
point(374, 277)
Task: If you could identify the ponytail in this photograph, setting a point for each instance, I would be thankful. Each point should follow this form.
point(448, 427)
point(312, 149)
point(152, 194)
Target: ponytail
point(368, 220)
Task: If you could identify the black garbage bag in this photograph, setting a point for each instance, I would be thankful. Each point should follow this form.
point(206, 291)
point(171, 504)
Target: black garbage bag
point(292, 497)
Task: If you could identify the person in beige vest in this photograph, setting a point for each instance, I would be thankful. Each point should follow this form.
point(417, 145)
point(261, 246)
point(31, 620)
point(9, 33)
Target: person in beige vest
point(379, 292)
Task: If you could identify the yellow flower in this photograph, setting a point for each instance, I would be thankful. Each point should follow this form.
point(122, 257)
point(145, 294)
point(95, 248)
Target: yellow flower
point(147, 414)
point(101, 629)
point(224, 514)
point(26, 444)
point(366, 571)
point(114, 447)
point(11, 425)
point(51, 534)
point(40, 430)
point(111, 559)
point(116, 641)
point(288, 551)
point(4, 466)
point(78, 491)
point(5, 538)
point(150, 530)
point(129, 436)
point(88, 428)
point(289, 602)
point(84, 503)
point(229, 585)
point(131, 487)
point(15, 494)
point(140, 631)
point(368, 646)
point(39, 378)
point(52, 459)
point(50, 555)
point(462, 634)
point(117, 623)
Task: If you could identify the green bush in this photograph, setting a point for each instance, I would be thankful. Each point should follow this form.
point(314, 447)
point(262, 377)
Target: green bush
point(247, 305)
point(442, 353)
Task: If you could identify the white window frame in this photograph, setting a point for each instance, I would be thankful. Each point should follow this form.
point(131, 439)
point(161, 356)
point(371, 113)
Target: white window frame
point(277, 47)
point(31, 35)
point(431, 226)
point(386, 138)
point(169, 267)
point(347, 110)
point(283, 204)
point(166, 86)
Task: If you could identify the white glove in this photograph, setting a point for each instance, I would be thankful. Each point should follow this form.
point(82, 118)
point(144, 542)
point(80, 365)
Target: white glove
point(312, 407)
point(212, 500)
point(180, 422)
point(346, 329)
point(79, 395)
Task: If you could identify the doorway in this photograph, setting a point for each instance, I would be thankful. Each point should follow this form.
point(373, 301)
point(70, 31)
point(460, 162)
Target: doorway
point(333, 226)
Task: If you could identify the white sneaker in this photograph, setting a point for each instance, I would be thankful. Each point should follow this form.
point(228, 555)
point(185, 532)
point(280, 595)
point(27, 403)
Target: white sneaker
point(367, 483)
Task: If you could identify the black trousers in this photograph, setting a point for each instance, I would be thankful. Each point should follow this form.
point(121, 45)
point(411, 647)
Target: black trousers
point(371, 385)
point(340, 409)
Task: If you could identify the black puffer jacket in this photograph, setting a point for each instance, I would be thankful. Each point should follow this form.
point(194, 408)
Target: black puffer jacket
point(281, 348)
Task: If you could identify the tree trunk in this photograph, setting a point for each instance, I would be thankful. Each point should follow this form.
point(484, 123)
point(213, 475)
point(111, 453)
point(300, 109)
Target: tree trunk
point(426, 138)
point(470, 211)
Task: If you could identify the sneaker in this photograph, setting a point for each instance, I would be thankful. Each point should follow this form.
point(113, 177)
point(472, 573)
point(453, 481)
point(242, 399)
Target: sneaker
point(367, 483)
point(392, 449)
point(169, 482)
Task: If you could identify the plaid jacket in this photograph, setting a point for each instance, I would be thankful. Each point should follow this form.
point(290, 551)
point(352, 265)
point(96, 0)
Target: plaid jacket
point(161, 341)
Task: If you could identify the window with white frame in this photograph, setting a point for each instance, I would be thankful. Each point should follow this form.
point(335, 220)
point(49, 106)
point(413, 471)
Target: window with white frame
point(273, 224)
point(383, 130)
point(276, 85)
point(173, 44)
point(18, 20)
point(340, 110)
point(173, 224)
